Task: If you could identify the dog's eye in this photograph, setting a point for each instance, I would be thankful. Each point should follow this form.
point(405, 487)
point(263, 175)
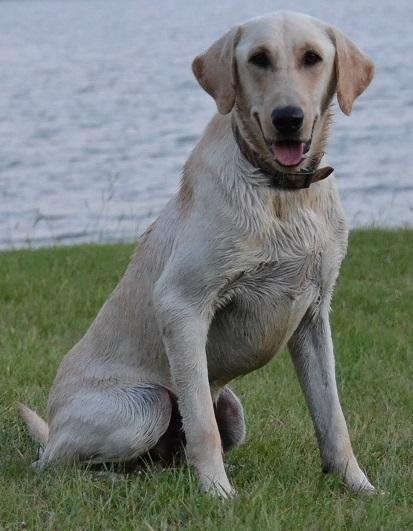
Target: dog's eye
point(260, 59)
point(311, 58)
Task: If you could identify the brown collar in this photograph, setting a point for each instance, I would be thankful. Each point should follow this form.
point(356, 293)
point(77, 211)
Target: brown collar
point(278, 179)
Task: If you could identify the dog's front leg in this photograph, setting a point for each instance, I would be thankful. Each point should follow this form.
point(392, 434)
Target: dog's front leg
point(312, 352)
point(184, 331)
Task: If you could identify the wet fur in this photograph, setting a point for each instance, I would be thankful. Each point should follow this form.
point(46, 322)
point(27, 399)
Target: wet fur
point(230, 273)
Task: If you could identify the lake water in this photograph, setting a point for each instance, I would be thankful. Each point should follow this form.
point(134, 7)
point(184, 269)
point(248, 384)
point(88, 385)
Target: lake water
point(99, 110)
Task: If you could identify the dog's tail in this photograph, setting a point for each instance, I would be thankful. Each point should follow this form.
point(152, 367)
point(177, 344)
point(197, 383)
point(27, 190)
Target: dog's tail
point(38, 428)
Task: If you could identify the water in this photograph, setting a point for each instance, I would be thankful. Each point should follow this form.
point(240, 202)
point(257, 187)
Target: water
point(99, 110)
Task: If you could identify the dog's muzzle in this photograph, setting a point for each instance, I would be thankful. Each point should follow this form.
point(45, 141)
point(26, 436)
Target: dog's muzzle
point(294, 180)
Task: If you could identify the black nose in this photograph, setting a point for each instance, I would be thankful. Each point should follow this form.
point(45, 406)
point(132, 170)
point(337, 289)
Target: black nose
point(287, 120)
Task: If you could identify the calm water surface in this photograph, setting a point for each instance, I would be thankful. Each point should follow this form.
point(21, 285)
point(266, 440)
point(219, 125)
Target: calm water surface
point(99, 110)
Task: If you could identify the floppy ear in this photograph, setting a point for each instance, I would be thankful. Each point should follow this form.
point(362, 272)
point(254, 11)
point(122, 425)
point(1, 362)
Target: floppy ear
point(215, 70)
point(354, 70)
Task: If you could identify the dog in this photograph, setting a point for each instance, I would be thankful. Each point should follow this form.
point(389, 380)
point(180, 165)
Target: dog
point(240, 263)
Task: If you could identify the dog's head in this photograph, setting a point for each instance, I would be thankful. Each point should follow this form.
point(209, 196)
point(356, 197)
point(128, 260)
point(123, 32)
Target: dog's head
point(279, 73)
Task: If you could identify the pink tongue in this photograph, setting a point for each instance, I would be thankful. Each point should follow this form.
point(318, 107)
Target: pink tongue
point(288, 153)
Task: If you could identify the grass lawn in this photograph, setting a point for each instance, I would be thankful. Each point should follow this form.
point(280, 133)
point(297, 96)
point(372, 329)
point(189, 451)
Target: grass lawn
point(48, 298)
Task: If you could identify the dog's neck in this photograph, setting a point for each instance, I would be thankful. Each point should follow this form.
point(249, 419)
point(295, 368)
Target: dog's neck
point(277, 179)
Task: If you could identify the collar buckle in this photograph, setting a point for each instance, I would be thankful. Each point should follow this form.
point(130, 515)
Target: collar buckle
point(308, 180)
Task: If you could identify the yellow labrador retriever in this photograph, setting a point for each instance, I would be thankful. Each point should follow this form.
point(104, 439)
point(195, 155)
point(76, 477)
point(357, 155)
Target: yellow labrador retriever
point(241, 262)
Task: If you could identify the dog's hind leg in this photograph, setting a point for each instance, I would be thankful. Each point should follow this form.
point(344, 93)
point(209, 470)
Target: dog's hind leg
point(229, 415)
point(230, 419)
point(109, 425)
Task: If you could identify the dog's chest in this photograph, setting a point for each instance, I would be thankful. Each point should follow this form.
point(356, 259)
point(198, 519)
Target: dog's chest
point(258, 311)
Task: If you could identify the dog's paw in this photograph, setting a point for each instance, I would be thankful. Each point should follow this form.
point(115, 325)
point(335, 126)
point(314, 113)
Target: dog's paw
point(363, 487)
point(357, 481)
point(38, 465)
point(219, 489)
point(352, 475)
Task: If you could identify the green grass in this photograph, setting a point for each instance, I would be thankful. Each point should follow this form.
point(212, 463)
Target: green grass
point(47, 299)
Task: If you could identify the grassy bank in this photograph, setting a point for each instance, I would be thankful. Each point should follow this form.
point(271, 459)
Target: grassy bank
point(47, 299)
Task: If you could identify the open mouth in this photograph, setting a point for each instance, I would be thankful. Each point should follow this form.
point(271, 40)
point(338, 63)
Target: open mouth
point(289, 152)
